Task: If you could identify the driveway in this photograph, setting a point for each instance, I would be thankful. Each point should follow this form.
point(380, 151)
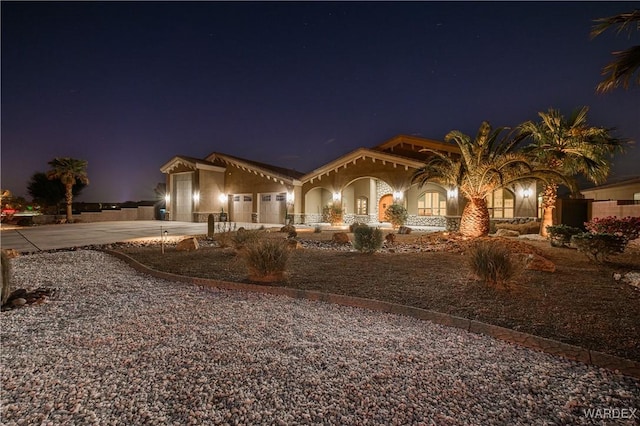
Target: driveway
point(48, 237)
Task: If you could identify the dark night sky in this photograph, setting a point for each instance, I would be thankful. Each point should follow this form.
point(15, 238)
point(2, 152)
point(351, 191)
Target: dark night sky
point(127, 86)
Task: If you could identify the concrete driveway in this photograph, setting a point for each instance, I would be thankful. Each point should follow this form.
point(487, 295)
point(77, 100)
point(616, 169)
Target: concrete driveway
point(48, 237)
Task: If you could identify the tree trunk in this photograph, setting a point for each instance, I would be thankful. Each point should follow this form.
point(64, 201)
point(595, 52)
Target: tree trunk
point(69, 199)
point(549, 197)
point(475, 218)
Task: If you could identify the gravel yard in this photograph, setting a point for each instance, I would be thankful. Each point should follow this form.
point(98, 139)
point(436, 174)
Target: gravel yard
point(118, 347)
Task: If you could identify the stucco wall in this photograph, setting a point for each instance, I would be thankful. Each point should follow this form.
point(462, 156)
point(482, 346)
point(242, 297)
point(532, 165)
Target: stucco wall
point(238, 181)
point(622, 192)
point(614, 208)
point(211, 185)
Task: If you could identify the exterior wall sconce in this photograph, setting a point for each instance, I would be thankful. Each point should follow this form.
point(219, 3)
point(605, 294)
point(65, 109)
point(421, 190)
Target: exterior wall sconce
point(526, 193)
point(167, 198)
point(397, 196)
point(290, 197)
point(336, 196)
point(222, 198)
point(196, 196)
point(452, 193)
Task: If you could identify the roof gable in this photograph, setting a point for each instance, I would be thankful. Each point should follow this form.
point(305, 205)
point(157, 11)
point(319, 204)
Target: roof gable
point(278, 173)
point(189, 163)
point(411, 146)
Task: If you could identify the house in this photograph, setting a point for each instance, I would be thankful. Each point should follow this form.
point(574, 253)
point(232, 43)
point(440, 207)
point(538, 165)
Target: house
point(362, 183)
point(619, 199)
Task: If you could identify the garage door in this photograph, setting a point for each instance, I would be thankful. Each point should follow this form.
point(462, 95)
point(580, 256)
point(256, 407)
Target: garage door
point(242, 207)
point(182, 195)
point(272, 207)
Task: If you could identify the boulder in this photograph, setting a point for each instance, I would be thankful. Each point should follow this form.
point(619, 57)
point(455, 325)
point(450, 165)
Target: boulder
point(341, 238)
point(534, 262)
point(506, 233)
point(404, 230)
point(16, 303)
point(633, 279)
point(188, 244)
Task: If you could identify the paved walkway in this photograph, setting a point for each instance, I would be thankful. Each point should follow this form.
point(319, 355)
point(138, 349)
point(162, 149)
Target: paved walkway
point(48, 237)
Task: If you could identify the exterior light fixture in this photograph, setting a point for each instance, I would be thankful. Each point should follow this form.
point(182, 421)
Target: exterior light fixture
point(196, 196)
point(290, 197)
point(452, 193)
point(397, 195)
point(222, 198)
point(336, 196)
point(526, 193)
point(167, 198)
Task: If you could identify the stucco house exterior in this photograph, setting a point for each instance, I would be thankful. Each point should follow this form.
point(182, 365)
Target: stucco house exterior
point(362, 182)
point(619, 199)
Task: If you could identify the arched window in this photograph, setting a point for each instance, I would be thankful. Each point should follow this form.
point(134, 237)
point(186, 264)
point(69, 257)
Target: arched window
point(362, 205)
point(500, 204)
point(432, 204)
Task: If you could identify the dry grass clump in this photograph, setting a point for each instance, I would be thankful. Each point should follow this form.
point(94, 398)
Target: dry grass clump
point(523, 228)
point(490, 261)
point(266, 259)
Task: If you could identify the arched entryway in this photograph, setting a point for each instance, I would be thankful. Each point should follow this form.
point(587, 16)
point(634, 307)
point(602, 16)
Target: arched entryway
point(385, 201)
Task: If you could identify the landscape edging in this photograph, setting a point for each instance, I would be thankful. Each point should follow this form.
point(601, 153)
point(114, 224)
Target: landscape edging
point(576, 353)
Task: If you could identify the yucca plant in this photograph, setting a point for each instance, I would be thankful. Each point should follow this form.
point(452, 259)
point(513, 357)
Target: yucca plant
point(267, 259)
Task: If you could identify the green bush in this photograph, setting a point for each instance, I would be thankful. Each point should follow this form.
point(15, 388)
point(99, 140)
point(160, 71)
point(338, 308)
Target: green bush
point(560, 235)
point(356, 225)
point(266, 257)
point(6, 276)
point(491, 263)
point(367, 239)
point(598, 246)
point(396, 214)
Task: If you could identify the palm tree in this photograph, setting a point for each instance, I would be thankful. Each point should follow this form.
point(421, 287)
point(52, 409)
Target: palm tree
point(569, 147)
point(69, 171)
point(487, 163)
point(626, 62)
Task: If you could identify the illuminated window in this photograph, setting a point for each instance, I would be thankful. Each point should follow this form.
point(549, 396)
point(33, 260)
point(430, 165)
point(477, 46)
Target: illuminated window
point(236, 198)
point(500, 204)
point(266, 198)
point(281, 197)
point(362, 206)
point(247, 198)
point(432, 204)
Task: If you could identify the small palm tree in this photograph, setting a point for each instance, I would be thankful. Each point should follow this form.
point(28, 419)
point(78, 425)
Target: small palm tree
point(487, 163)
point(569, 147)
point(69, 171)
point(626, 62)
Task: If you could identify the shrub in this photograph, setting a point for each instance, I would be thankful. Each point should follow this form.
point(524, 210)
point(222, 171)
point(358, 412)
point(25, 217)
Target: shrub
point(246, 237)
point(396, 214)
point(560, 235)
point(354, 226)
point(627, 227)
point(367, 239)
point(598, 246)
point(317, 229)
point(332, 214)
point(6, 276)
point(491, 263)
point(267, 259)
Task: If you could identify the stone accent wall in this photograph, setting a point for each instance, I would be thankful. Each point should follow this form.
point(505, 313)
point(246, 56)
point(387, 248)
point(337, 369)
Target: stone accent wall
point(313, 218)
point(349, 219)
point(254, 217)
point(453, 222)
point(382, 189)
point(415, 220)
point(298, 218)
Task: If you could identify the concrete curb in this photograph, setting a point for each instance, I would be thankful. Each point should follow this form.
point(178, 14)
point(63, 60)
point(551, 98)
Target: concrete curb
point(617, 364)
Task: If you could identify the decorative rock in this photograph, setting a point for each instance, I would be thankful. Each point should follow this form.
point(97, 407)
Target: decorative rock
point(404, 230)
point(533, 262)
point(390, 238)
point(187, 244)
point(506, 233)
point(11, 253)
point(633, 279)
point(341, 238)
point(16, 303)
point(20, 293)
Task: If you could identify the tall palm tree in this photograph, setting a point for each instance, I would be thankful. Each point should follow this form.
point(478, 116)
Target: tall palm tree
point(626, 62)
point(487, 163)
point(570, 147)
point(69, 171)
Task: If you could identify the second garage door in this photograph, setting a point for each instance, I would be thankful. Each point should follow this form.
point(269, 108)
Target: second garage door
point(272, 207)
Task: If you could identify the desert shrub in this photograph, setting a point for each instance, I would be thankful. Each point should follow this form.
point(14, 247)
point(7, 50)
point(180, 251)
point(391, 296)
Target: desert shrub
point(332, 214)
point(367, 239)
point(241, 239)
point(356, 225)
point(598, 246)
point(317, 229)
point(627, 227)
point(560, 235)
point(531, 227)
point(290, 230)
point(6, 276)
point(266, 257)
point(491, 263)
point(396, 214)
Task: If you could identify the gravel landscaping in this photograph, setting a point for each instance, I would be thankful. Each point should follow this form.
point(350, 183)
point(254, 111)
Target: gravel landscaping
point(118, 347)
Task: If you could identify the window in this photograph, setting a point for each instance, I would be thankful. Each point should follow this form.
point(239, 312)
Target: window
point(248, 198)
point(432, 204)
point(500, 204)
point(236, 198)
point(281, 197)
point(362, 205)
point(266, 197)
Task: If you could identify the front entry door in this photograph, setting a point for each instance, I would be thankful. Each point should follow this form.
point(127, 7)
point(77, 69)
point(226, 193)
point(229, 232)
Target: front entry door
point(385, 202)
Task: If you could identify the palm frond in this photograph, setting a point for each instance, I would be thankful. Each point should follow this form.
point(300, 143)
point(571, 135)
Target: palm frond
point(621, 71)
